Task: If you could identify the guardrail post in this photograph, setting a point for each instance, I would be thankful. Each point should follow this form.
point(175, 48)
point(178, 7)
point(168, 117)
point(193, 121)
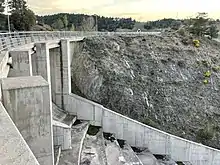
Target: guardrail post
point(2, 44)
point(6, 42)
point(32, 37)
point(11, 41)
point(45, 36)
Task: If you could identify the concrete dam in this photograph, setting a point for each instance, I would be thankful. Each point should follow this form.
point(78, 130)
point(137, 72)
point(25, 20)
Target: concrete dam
point(43, 123)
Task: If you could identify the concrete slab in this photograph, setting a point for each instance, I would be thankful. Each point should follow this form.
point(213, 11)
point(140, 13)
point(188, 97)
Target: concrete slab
point(93, 152)
point(113, 153)
point(130, 156)
point(14, 150)
point(147, 158)
point(71, 157)
point(23, 82)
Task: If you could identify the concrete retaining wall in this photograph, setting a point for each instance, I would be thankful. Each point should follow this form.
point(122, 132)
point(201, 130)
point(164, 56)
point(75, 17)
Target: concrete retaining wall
point(140, 135)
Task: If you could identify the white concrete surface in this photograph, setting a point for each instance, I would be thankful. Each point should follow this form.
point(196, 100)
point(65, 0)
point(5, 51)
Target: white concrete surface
point(27, 101)
point(55, 73)
point(21, 62)
point(140, 135)
point(14, 150)
point(60, 72)
point(62, 135)
point(42, 62)
point(4, 68)
point(66, 61)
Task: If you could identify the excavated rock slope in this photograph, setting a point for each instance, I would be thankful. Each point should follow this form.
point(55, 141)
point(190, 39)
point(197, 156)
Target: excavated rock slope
point(163, 81)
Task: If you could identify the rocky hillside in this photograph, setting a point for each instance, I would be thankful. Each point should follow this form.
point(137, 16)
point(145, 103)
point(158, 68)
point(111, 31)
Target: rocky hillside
point(163, 81)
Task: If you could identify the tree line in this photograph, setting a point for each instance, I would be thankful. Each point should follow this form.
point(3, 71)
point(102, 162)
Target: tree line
point(68, 21)
point(201, 25)
point(22, 18)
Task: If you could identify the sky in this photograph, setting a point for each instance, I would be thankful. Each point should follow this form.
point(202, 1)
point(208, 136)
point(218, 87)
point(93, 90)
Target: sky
point(141, 10)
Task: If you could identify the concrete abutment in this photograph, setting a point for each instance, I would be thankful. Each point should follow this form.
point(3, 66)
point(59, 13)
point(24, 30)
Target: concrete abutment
point(27, 101)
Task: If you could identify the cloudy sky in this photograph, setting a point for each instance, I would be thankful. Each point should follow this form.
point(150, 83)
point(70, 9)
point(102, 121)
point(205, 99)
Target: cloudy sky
point(138, 9)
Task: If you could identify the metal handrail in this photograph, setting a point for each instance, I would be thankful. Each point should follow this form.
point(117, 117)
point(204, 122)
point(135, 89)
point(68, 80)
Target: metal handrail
point(10, 40)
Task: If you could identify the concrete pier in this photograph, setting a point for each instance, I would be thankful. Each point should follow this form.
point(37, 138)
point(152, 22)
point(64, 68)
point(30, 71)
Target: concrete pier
point(42, 62)
point(21, 62)
point(60, 62)
point(55, 73)
point(27, 100)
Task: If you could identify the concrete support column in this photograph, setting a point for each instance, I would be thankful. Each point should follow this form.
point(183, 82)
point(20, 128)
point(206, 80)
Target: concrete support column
point(27, 100)
point(21, 62)
point(66, 70)
point(63, 87)
point(42, 62)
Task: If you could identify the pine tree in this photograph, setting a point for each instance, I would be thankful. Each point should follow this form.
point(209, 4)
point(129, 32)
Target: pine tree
point(1, 6)
point(22, 18)
point(18, 5)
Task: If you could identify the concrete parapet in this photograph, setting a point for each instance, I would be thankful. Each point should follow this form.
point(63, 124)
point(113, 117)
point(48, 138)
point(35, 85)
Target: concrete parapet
point(140, 135)
point(27, 101)
point(14, 150)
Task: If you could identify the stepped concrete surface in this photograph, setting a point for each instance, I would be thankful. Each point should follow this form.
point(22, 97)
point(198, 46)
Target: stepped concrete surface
point(130, 156)
point(72, 156)
point(13, 148)
point(93, 152)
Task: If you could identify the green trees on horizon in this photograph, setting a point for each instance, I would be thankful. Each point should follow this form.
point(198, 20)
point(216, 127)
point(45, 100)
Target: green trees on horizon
point(2, 6)
point(22, 18)
point(77, 21)
point(202, 25)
